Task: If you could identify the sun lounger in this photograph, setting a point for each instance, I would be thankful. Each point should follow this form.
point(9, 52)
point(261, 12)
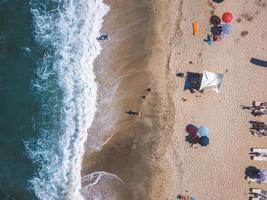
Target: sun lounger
point(251, 180)
point(258, 125)
point(259, 154)
point(259, 158)
point(260, 104)
point(260, 192)
point(258, 150)
point(258, 198)
point(261, 111)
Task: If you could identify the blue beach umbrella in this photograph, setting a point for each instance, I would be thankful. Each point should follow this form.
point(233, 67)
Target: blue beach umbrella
point(204, 141)
point(227, 28)
point(203, 131)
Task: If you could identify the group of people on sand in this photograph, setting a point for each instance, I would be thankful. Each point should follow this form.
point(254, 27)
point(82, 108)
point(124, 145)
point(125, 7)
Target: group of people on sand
point(219, 29)
point(135, 113)
point(257, 108)
point(252, 173)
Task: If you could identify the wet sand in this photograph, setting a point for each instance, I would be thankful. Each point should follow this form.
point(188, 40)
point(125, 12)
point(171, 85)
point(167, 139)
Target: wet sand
point(150, 42)
point(132, 62)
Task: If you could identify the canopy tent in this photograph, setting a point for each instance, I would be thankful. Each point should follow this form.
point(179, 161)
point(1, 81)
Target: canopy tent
point(211, 80)
point(206, 80)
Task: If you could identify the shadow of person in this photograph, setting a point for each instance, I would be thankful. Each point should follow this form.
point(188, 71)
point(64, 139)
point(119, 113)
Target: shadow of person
point(133, 113)
point(246, 107)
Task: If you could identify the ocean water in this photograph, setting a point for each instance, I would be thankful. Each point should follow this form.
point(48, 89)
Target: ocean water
point(47, 93)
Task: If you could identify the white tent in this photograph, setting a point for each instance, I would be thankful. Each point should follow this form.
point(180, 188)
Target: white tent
point(211, 80)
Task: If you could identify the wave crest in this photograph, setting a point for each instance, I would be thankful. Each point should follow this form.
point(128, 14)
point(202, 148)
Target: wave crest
point(66, 92)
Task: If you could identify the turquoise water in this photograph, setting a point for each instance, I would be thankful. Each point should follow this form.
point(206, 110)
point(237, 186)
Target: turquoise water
point(47, 95)
point(17, 106)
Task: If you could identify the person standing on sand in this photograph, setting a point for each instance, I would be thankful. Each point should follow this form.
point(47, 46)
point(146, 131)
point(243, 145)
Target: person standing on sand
point(133, 113)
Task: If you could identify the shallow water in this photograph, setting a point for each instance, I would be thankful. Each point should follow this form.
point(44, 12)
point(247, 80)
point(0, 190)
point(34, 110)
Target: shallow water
point(48, 95)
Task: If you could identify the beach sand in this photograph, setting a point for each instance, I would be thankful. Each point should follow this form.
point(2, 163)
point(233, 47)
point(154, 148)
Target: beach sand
point(216, 171)
point(150, 42)
point(134, 60)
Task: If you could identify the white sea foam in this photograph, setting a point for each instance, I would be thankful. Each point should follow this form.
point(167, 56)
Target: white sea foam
point(66, 91)
point(103, 185)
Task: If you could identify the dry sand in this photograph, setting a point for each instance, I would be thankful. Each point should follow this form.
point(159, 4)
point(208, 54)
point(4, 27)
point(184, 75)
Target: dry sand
point(216, 172)
point(151, 41)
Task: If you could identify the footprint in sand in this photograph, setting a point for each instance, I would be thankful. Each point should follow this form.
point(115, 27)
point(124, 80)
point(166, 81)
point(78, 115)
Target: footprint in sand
point(244, 33)
point(260, 3)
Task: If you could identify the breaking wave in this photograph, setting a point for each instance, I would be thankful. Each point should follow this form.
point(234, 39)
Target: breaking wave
point(66, 92)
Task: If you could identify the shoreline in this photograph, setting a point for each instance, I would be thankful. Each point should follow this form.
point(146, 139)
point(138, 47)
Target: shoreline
point(134, 59)
point(148, 46)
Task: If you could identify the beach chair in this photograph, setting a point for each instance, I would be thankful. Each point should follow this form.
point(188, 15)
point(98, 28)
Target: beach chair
point(258, 150)
point(260, 104)
point(258, 198)
point(259, 154)
point(259, 128)
point(259, 192)
point(259, 158)
point(259, 111)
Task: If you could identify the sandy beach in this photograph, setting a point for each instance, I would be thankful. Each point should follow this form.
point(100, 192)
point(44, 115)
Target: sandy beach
point(132, 74)
point(150, 42)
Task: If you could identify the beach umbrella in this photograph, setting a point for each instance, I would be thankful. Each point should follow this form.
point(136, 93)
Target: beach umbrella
point(191, 130)
point(215, 20)
point(227, 17)
point(203, 131)
point(204, 141)
point(218, 1)
point(226, 28)
point(216, 30)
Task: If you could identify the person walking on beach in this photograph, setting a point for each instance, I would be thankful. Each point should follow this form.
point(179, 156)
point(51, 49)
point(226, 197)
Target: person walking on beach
point(133, 113)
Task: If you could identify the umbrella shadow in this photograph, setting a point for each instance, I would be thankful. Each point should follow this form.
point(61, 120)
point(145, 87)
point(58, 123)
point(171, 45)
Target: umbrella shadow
point(258, 62)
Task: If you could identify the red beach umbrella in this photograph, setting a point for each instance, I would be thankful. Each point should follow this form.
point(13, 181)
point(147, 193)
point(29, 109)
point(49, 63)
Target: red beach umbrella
point(227, 17)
